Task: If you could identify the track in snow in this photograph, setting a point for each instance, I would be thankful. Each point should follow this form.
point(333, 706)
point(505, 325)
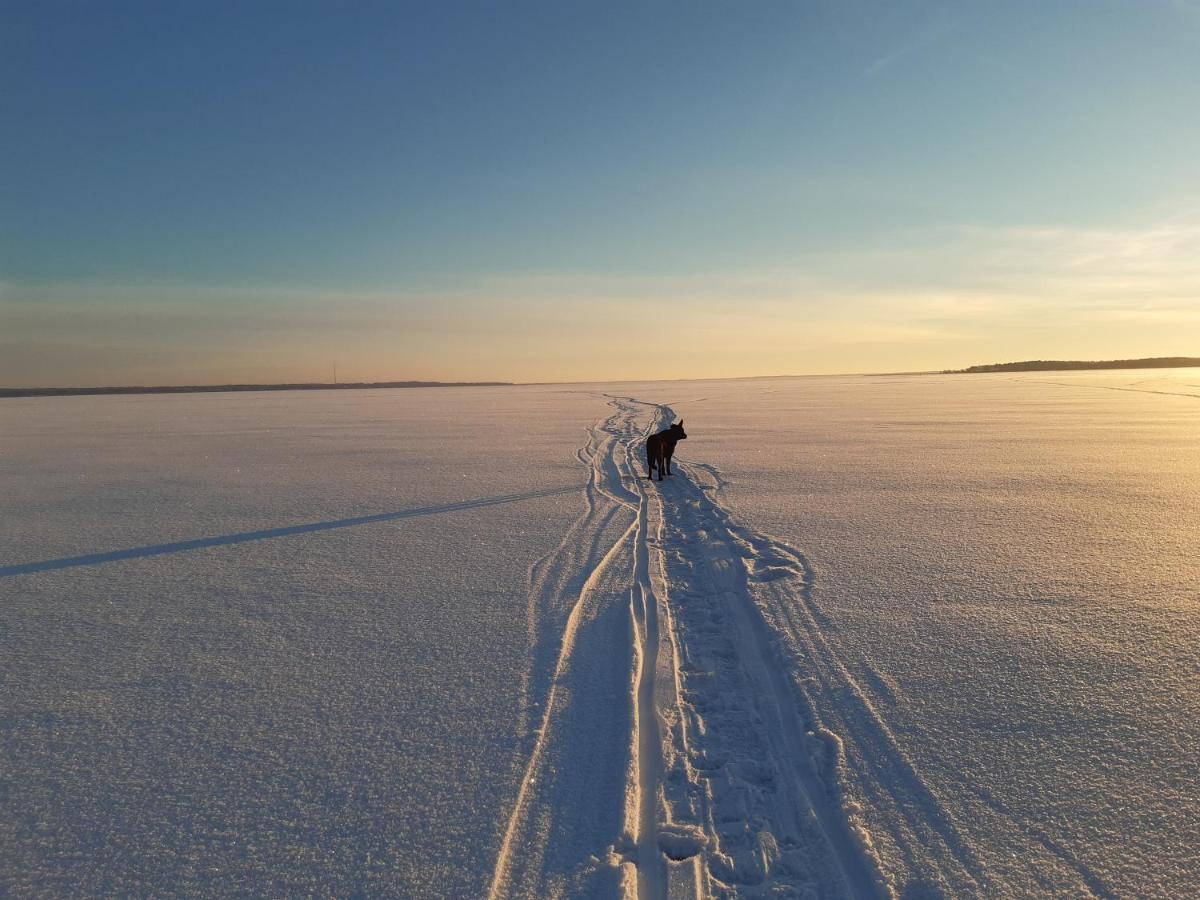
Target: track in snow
point(567, 832)
point(671, 752)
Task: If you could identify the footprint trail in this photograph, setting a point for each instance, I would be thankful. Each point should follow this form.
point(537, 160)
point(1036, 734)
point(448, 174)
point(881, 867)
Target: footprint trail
point(672, 751)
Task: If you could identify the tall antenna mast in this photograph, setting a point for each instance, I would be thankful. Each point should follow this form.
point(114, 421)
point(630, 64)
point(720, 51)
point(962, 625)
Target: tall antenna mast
point(335, 373)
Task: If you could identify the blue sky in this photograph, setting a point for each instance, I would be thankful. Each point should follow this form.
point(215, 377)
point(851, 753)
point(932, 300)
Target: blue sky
point(253, 191)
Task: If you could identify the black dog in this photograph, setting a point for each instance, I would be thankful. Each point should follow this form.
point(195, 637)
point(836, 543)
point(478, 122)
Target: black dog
point(661, 447)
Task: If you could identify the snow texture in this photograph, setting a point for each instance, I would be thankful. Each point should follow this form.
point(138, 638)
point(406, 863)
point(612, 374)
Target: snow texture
point(913, 637)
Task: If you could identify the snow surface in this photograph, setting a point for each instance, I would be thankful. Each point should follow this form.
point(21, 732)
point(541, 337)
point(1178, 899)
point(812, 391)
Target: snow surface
point(1004, 634)
point(910, 636)
point(332, 712)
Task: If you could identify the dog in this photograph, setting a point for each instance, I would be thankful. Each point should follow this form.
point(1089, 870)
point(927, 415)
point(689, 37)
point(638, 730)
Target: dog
point(661, 447)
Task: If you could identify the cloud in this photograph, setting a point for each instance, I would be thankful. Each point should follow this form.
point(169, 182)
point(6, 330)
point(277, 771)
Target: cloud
point(1170, 245)
point(920, 41)
point(931, 299)
point(1131, 268)
point(1166, 314)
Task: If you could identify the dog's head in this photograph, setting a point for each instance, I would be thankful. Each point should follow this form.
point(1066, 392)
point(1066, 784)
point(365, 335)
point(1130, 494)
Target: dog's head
point(677, 431)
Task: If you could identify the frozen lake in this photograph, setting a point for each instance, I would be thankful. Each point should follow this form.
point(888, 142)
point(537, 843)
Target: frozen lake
point(922, 636)
point(1010, 570)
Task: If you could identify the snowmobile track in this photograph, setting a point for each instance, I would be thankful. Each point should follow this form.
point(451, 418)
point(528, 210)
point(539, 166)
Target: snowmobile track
point(729, 786)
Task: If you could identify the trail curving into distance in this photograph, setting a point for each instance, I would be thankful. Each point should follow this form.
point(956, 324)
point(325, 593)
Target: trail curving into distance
point(671, 752)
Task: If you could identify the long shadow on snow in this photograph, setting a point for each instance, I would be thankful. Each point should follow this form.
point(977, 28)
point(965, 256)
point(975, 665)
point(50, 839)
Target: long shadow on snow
point(92, 559)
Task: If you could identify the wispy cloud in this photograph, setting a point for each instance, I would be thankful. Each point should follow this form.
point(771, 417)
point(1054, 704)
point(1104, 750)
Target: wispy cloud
point(925, 300)
point(1156, 247)
point(1179, 313)
point(919, 41)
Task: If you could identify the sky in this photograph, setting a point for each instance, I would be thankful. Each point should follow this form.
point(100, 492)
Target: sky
point(212, 192)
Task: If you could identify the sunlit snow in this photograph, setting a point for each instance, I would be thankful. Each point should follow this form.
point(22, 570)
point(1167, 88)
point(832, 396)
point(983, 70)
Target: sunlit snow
point(920, 636)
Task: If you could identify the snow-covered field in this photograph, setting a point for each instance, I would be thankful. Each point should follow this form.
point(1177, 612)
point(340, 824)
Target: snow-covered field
point(921, 636)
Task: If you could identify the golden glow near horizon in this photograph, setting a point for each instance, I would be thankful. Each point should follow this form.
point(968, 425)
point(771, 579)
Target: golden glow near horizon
point(1001, 295)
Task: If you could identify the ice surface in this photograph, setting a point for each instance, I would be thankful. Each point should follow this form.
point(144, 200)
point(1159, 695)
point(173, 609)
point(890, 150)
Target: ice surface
point(926, 636)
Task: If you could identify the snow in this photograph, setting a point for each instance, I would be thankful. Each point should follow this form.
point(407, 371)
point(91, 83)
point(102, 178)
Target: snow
point(910, 636)
point(333, 712)
point(1005, 574)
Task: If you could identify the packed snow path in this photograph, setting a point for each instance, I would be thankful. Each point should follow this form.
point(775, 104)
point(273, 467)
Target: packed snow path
point(672, 751)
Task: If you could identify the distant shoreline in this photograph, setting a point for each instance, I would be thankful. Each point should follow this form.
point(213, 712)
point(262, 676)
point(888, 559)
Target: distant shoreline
point(1066, 365)
point(235, 388)
point(1039, 365)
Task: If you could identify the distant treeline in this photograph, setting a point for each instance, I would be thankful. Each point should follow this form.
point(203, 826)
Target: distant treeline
point(220, 388)
point(1058, 365)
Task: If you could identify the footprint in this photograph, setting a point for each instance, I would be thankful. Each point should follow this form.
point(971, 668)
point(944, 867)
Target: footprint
point(679, 841)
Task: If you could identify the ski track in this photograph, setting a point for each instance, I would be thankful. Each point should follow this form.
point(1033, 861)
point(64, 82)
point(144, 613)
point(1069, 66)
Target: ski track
point(1129, 389)
point(563, 585)
point(692, 729)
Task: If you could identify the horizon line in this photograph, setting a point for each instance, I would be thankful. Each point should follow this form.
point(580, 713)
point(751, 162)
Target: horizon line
point(235, 387)
point(1167, 362)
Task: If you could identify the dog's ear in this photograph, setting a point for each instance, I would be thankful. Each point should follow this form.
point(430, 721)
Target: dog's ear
point(680, 423)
